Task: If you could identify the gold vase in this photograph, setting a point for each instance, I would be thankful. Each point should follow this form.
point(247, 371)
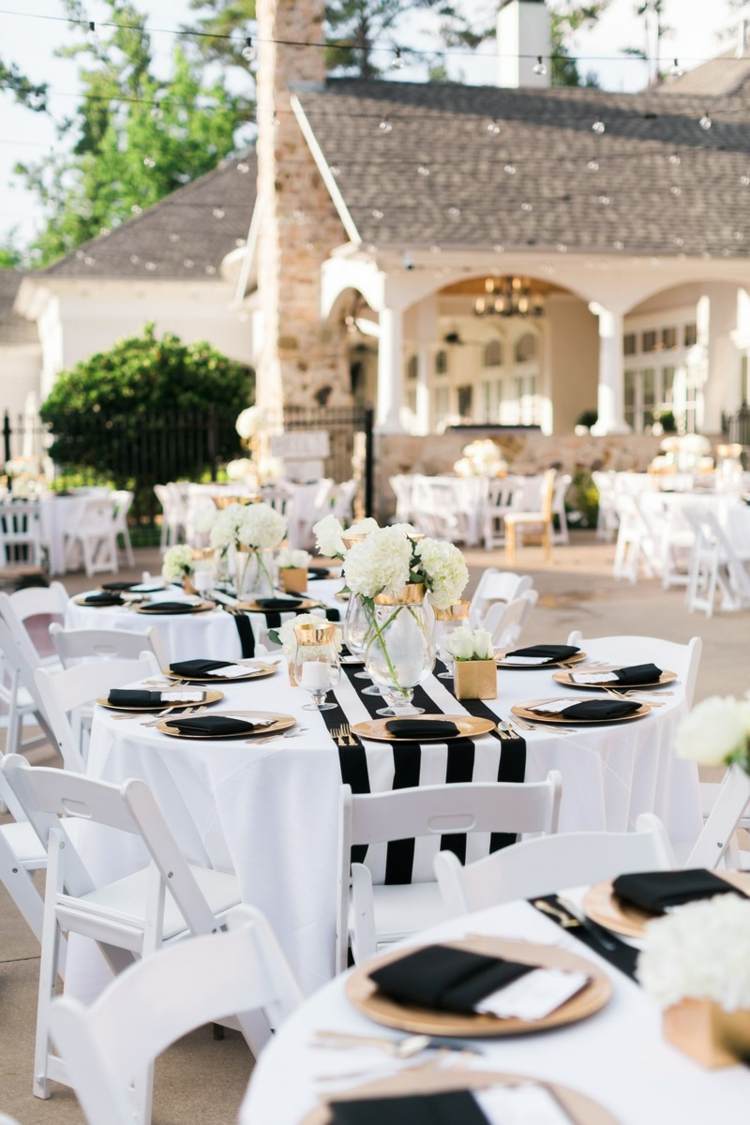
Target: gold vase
point(293, 579)
point(188, 586)
point(475, 679)
point(703, 1030)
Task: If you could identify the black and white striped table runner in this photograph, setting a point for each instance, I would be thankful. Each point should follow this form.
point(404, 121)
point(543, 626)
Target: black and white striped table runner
point(381, 766)
point(274, 619)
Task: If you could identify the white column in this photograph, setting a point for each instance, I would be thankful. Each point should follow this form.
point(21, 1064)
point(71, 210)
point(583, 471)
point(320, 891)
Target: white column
point(390, 371)
point(427, 334)
point(611, 393)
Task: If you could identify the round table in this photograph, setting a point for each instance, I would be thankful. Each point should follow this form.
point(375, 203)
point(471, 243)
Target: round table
point(617, 1057)
point(732, 513)
point(270, 811)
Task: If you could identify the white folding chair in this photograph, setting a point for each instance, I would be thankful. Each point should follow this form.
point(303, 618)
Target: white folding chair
point(21, 853)
point(501, 495)
point(64, 692)
point(725, 808)
point(537, 518)
point(76, 645)
point(551, 863)
point(606, 520)
point(496, 585)
point(93, 540)
point(506, 622)
point(561, 534)
point(20, 536)
point(370, 917)
point(635, 544)
point(682, 659)
point(108, 1047)
point(715, 565)
point(166, 900)
point(123, 501)
point(343, 502)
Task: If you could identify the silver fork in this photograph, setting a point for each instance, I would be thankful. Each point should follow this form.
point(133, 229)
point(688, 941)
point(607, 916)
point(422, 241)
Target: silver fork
point(173, 713)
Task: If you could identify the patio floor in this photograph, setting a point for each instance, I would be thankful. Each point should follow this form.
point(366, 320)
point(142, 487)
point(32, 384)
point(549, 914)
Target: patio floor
point(202, 1080)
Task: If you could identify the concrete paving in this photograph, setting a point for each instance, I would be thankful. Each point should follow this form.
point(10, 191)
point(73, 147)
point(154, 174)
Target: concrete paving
point(201, 1080)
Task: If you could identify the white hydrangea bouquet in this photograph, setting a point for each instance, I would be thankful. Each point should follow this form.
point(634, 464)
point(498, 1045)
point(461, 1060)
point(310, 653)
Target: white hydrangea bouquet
point(179, 566)
point(284, 635)
point(717, 732)
point(332, 540)
point(250, 532)
point(390, 573)
point(696, 965)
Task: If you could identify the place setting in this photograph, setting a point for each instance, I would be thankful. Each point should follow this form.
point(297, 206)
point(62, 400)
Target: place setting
point(206, 671)
point(620, 680)
point(581, 712)
point(540, 656)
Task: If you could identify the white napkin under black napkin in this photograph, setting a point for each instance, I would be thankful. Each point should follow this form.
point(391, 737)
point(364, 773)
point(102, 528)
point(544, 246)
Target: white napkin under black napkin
point(631, 674)
point(659, 891)
point(140, 697)
point(222, 669)
point(540, 654)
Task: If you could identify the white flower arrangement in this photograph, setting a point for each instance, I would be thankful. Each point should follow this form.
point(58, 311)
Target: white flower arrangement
point(443, 570)
point(203, 516)
point(379, 564)
point(716, 732)
point(178, 563)
point(465, 643)
point(702, 951)
point(288, 558)
point(285, 634)
point(240, 469)
point(328, 537)
point(256, 526)
point(364, 526)
point(249, 422)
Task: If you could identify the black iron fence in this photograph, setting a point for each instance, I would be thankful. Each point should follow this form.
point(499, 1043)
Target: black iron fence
point(136, 453)
point(736, 427)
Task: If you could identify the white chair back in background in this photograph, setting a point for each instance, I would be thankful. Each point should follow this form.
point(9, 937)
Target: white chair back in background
point(77, 645)
point(727, 802)
point(370, 916)
point(62, 692)
point(560, 534)
point(496, 585)
point(343, 497)
point(108, 1046)
point(123, 502)
point(506, 622)
point(682, 659)
point(132, 916)
point(403, 489)
point(501, 497)
point(552, 863)
point(20, 535)
point(606, 520)
point(715, 565)
point(93, 540)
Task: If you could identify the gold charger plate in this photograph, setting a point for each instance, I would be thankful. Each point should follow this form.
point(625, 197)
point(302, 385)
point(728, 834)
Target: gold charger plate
point(665, 678)
point(468, 727)
point(154, 611)
point(304, 604)
point(433, 1079)
point(283, 722)
point(209, 698)
point(259, 673)
point(363, 993)
point(535, 716)
point(576, 659)
point(602, 905)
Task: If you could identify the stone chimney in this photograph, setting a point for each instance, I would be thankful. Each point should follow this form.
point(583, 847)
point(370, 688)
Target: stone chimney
point(301, 362)
point(523, 35)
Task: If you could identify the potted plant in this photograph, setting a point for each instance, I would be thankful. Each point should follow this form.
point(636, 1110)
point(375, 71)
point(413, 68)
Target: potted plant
point(293, 566)
point(475, 674)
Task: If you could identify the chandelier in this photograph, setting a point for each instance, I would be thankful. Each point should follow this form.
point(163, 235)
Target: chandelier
point(509, 296)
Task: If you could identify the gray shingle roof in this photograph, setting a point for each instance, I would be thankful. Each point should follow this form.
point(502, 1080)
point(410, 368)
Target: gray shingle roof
point(653, 182)
point(14, 329)
point(185, 235)
point(725, 75)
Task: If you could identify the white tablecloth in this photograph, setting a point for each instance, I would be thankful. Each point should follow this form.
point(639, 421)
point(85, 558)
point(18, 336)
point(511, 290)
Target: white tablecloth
point(732, 513)
point(270, 812)
point(59, 514)
point(617, 1056)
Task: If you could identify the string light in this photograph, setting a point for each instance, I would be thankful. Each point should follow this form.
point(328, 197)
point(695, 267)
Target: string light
point(454, 212)
point(385, 126)
point(599, 128)
point(398, 62)
point(593, 165)
point(539, 67)
point(676, 70)
point(423, 170)
point(248, 52)
point(494, 128)
point(509, 169)
point(706, 122)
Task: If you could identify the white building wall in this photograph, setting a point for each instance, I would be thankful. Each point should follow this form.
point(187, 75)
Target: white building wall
point(20, 369)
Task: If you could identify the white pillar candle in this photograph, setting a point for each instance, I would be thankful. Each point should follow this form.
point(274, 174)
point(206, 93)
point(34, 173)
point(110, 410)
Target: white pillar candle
point(315, 676)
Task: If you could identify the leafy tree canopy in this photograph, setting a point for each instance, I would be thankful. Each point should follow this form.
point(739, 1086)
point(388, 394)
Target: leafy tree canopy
point(143, 379)
point(135, 136)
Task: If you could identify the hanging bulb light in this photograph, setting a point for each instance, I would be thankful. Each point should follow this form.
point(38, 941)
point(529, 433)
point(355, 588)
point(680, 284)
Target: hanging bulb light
point(385, 126)
point(539, 67)
point(706, 122)
point(92, 27)
point(599, 127)
point(494, 128)
point(248, 52)
point(398, 62)
point(676, 70)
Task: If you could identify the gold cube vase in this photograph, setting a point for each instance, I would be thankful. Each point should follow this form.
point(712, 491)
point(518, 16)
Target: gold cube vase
point(709, 1035)
point(475, 679)
point(293, 579)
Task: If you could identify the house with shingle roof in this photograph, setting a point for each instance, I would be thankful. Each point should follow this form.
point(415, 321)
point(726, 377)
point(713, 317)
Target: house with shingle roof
point(173, 264)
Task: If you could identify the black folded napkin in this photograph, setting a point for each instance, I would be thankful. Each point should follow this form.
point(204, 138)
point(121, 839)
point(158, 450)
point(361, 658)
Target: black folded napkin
point(314, 572)
point(638, 674)
point(422, 728)
point(212, 725)
point(105, 597)
point(548, 652)
point(656, 891)
point(446, 979)
point(198, 667)
point(168, 607)
point(453, 1107)
point(134, 697)
point(278, 603)
point(601, 710)
point(119, 585)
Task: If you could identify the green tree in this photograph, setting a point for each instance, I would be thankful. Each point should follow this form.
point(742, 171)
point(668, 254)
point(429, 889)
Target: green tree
point(32, 95)
point(134, 138)
point(103, 408)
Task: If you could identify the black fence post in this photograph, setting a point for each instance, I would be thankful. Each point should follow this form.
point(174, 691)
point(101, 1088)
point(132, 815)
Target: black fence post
point(6, 436)
point(369, 460)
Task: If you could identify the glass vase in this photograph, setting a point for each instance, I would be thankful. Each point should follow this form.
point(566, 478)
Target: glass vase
point(254, 575)
point(357, 628)
point(400, 653)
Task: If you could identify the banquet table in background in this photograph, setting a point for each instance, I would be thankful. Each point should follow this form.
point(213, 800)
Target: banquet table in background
point(59, 515)
point(270, 811)
point(617, 1057)
point(731, 512)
